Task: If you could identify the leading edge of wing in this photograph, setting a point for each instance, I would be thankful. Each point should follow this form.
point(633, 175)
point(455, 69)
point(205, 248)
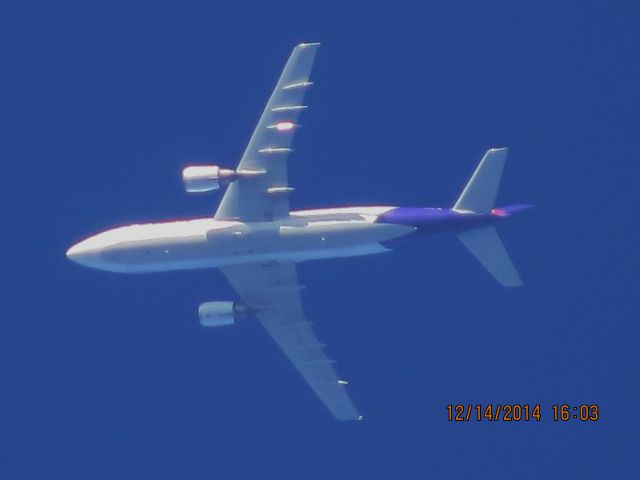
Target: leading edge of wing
point(272, 291)
point(265, 196)
point(296, 339)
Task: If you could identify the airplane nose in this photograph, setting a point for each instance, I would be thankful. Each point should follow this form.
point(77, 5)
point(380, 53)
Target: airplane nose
point(82, 253)
point(73, 252)
point(91, 251)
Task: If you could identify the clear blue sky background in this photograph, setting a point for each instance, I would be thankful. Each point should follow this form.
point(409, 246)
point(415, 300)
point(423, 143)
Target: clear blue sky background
point(111, 377)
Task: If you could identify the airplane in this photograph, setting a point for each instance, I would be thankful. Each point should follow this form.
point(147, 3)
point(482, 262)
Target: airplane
point(256, 240)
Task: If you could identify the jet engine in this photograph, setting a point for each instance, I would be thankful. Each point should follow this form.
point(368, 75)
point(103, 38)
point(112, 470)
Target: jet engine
point(219, 314)
point(204, 178)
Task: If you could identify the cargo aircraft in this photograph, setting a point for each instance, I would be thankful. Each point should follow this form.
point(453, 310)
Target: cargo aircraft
point(256, 240)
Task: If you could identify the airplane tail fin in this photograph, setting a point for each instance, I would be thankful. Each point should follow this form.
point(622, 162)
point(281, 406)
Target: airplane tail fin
point(486, 246)
point(480, 192)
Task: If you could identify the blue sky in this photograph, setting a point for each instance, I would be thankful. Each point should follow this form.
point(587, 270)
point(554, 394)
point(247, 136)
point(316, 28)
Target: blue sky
point(111, 376)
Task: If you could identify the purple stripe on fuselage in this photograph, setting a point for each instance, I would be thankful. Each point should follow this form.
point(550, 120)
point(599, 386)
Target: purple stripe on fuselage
point(434, 221)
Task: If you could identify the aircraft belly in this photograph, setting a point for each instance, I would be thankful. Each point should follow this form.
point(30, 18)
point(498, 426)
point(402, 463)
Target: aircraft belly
point(293, 242)
point(337, 235)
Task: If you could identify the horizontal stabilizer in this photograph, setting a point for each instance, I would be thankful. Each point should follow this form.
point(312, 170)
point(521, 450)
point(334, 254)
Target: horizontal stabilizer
point(480, 192)
point(486, 246)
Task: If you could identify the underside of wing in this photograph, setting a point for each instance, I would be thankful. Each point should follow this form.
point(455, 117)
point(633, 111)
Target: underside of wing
point(272, 293)
point(263, 195)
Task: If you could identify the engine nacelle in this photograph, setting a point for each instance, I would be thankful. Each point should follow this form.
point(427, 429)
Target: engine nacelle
point(219, 314)
point(204, 178)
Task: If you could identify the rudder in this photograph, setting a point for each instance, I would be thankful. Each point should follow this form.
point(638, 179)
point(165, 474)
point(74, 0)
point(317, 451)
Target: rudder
point(480, 192)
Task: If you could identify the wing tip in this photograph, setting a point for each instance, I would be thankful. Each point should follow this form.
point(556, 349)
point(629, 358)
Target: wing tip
point(352, 417)
point(500, 152)
point(308, 44)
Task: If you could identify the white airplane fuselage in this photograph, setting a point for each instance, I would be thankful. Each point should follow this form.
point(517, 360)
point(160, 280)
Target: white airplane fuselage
point(207, 242)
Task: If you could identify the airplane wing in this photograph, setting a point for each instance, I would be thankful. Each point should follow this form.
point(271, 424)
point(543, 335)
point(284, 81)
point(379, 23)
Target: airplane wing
point(272, 291)
point(264, 197)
